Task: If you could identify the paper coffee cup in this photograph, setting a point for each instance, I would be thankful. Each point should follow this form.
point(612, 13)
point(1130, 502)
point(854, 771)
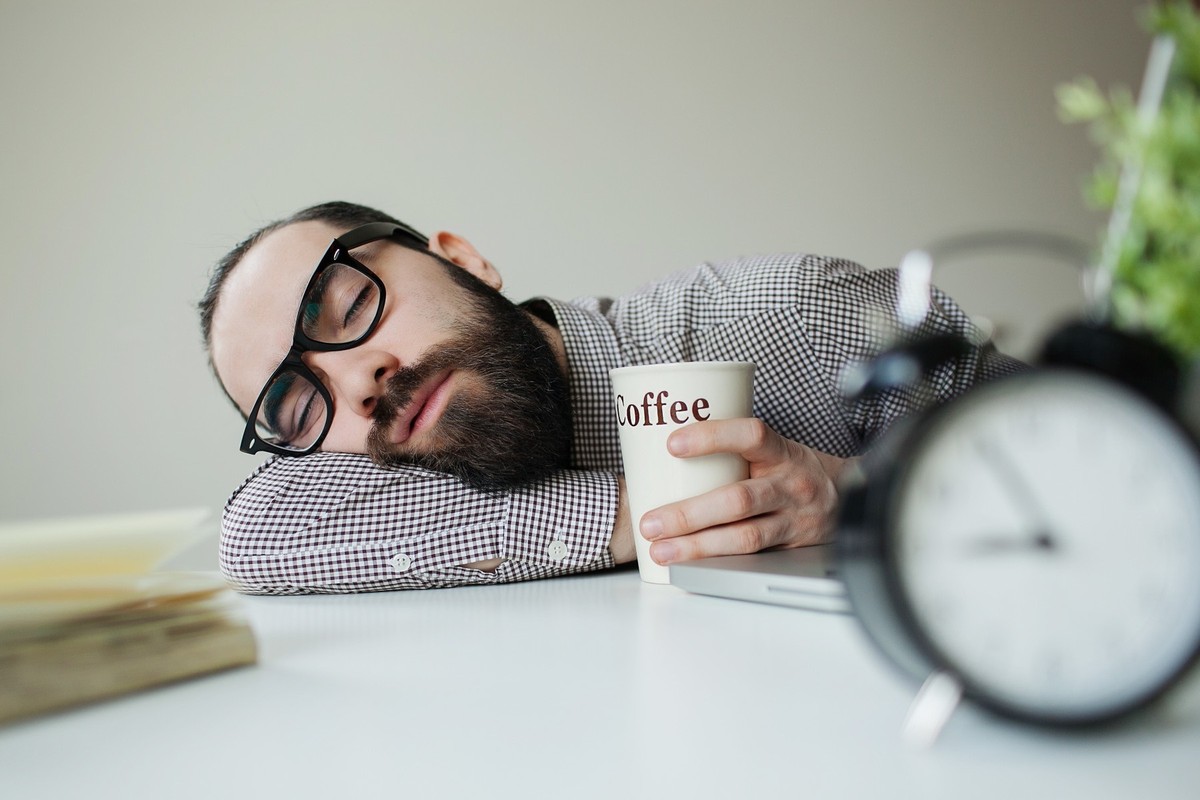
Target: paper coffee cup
point(653, 400)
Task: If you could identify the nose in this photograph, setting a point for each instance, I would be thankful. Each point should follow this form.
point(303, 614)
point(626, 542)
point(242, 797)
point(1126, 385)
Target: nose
point(357, 377)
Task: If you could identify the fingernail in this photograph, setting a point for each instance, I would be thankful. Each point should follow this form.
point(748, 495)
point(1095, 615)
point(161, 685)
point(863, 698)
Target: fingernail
point(652, 527)
point(677, 445)
point(664, 552)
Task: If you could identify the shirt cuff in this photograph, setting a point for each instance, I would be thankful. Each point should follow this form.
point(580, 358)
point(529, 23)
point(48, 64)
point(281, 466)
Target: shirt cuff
point(561, 525)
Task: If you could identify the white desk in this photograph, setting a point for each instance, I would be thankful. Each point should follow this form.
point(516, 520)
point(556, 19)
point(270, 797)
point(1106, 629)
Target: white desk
point(595, 686)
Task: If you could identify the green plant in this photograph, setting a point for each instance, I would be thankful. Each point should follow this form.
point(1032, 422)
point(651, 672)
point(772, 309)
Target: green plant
point(1156, 262)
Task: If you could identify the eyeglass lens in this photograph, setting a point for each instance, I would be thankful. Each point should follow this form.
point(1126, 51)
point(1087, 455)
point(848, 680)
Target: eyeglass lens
point(341, 306)
point(293, 412)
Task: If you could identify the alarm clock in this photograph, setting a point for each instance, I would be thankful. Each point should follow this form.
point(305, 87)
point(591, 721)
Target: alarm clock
point(1036, 538)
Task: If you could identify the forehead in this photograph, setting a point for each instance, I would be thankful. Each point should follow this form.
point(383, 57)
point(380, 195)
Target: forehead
point(256, 313)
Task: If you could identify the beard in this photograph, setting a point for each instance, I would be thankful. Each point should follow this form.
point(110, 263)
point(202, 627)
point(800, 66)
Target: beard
point(509, 424)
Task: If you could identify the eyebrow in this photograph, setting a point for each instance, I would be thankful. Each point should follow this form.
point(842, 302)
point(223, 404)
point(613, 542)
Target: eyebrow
point(316, 290)
point(367, 252)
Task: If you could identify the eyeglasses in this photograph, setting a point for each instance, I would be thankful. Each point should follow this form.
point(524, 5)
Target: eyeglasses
point(339, 310)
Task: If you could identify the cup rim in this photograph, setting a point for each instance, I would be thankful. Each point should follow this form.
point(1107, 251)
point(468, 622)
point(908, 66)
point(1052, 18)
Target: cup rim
point(684, 366)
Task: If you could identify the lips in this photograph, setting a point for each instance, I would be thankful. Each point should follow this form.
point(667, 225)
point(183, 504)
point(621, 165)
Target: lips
point(423, 410)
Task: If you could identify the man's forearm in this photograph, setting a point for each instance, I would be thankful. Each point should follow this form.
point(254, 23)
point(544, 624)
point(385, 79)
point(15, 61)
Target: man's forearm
point(336, 522)
point(621, 546)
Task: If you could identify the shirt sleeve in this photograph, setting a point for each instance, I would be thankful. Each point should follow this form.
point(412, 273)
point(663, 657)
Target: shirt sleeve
point(804, 320)
point(338, 523)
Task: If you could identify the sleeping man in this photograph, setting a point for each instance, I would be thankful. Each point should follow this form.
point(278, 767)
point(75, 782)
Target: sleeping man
point(429, 433)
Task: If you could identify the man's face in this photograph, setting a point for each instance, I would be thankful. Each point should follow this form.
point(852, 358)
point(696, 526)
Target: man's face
point(454, 377)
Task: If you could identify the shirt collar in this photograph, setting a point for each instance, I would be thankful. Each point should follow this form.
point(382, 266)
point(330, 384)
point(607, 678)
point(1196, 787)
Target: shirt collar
point(591, 348)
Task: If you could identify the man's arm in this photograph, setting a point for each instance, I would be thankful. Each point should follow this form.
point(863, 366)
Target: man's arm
point(791, 496)
point(336, 522)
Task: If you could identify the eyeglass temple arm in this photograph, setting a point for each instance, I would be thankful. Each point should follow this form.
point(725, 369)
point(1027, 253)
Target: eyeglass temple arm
point(374, 231)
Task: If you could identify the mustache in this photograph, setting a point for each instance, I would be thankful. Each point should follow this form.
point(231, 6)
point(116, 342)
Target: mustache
point(406, 381)
point(509, 422)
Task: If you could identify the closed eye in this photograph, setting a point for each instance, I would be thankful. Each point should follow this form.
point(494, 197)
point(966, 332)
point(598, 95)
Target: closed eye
point(359, 305)
point(306, 416)
point(273, 402)
point(291, 407)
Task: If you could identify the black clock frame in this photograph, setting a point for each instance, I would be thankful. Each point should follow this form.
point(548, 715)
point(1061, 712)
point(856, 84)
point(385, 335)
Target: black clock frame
point(865, 558)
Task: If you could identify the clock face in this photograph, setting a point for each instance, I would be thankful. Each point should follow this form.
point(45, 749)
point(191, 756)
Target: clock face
point(1047, 543)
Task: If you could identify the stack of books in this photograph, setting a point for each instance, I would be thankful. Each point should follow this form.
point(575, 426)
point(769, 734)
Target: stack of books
point(84, 616)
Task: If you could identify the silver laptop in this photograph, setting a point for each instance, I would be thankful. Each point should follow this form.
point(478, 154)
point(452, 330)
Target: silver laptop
point(802, 577)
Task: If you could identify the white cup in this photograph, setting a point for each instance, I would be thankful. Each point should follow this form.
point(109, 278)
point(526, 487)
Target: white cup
point(653, 400)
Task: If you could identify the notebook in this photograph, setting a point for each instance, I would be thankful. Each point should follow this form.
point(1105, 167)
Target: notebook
point(803, 577)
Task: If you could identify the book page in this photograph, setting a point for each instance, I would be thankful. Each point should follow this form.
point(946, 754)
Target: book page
point(80, 547)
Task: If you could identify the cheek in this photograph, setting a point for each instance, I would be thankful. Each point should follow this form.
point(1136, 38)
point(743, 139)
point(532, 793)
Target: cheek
point(347, 434)
point(418, 319)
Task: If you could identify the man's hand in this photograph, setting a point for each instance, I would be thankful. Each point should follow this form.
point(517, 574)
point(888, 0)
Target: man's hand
point(788, 500)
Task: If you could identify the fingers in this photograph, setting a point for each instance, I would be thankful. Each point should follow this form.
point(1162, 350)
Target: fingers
point(751, 438)
point(731, 503)
point(787, 501)
point(747, 536)
point(792, 479)
point(725, 522)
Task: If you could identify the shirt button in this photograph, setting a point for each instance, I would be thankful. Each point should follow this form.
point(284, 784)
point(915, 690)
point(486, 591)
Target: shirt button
point(557, 550)
point(400, 562)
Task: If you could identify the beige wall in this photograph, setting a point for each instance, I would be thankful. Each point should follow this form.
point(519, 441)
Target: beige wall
point(583, 147)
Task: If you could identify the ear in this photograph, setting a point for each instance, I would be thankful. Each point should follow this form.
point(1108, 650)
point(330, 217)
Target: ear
point(458, 250)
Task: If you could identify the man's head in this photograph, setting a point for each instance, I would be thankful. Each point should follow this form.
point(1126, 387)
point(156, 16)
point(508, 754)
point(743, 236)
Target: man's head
point(453, 376)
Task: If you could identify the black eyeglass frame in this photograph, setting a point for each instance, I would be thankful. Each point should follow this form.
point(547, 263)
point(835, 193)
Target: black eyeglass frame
point(338, 253)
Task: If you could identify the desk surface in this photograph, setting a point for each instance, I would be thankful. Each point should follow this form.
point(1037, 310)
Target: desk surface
point(593, 686)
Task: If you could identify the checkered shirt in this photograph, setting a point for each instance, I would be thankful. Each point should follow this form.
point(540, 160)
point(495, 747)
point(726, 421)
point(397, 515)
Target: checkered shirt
point(336, 522)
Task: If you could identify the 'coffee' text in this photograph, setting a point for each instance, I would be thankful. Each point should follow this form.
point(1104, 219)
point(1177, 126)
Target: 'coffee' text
point(655, 411)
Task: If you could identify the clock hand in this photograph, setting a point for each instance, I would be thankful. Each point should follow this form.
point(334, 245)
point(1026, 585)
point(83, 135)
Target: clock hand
point(1001, 543)
point(1002, 467)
